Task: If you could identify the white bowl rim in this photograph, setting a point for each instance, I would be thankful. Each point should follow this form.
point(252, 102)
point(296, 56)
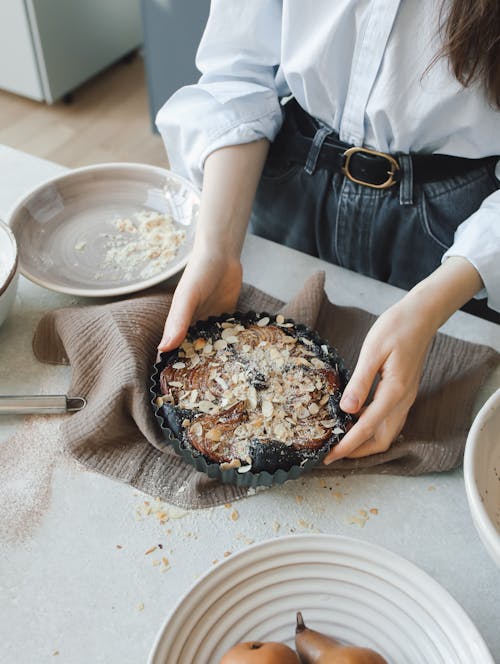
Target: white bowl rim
point(476, 505)
point(8, 232)
point(439, 590)
point(109, 292)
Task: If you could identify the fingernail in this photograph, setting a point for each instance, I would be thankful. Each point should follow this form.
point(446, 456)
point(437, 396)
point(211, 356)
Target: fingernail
point(330, 460)
point(164, 342)
point(349, 402)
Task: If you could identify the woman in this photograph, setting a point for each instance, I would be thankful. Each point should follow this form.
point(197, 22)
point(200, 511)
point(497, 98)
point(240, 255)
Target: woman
point(418, 84)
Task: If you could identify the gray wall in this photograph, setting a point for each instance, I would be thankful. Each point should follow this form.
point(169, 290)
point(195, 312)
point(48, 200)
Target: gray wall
point(172, 31)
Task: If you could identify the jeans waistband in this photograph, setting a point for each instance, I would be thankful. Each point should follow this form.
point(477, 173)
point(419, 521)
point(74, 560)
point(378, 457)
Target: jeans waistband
point(305, 140)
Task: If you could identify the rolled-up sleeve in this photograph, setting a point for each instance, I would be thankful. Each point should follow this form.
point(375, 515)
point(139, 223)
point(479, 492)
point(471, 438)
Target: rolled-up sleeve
point(235, 101)
point(478, 240)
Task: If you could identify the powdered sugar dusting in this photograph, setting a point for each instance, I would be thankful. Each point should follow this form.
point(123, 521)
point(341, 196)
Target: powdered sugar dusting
point(27, 460)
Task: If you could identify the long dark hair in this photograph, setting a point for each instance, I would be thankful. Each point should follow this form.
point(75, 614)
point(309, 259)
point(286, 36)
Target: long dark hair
point(471, 32)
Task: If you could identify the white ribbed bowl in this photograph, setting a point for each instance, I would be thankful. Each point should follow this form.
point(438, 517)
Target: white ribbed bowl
point(482, 474)
point(351, 589)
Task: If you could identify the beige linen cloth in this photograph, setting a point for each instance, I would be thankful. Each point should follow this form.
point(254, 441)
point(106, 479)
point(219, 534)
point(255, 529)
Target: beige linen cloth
point(112, 349)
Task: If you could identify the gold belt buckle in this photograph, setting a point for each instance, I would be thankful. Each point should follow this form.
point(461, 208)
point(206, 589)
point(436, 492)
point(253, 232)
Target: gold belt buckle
point(394, 167)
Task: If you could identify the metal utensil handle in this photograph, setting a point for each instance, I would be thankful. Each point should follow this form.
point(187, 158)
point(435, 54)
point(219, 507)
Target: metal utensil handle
point(39, 403)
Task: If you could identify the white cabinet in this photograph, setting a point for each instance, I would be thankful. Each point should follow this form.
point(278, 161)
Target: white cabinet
point(49, 47)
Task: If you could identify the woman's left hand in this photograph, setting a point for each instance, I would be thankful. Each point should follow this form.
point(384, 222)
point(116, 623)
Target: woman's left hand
point(394, 350)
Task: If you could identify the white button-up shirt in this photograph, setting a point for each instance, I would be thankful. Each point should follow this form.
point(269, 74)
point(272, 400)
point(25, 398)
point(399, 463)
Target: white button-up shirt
point(364, 67)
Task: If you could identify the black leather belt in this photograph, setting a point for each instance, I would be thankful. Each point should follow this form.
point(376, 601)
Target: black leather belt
point(362, 165)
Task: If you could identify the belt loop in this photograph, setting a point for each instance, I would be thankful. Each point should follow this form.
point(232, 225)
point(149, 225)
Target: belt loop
point(315, 149)
point(406, 182)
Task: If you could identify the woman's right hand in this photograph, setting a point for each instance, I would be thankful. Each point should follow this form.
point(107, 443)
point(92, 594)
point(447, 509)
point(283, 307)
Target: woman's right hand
point(211, 282)
point(210, 286)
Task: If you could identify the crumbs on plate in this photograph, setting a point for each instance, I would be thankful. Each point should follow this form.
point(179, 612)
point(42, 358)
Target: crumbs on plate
point(143, 246)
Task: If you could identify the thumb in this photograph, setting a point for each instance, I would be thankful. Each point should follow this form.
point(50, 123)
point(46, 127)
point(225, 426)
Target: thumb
point(179, 318)
point(359, 386)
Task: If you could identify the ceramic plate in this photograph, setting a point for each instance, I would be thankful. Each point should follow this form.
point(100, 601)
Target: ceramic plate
point(75, 232)
point(482, 474)
point(351, 589)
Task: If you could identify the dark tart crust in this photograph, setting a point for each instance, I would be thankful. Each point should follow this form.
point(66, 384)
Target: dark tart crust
point(252, 393)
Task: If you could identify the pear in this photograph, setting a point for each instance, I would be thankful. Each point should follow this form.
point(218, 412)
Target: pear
point(256, 652)
point(316, 648)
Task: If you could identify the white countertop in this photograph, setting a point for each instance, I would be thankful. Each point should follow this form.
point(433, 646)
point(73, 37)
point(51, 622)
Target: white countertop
point(68, 594)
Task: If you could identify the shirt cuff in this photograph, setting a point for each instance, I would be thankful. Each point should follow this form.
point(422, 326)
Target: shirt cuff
point(200, 119)
point(478, 240)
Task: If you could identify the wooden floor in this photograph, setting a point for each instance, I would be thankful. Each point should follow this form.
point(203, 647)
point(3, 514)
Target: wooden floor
point(108, 120)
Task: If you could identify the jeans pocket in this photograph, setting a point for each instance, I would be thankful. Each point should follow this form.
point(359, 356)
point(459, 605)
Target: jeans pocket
point(446, 204)
point(278, 170)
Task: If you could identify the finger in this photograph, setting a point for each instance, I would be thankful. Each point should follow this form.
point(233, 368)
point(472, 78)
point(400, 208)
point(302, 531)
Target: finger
point(387, 399)
point(385, 436)
point(365, 449)
point(183, 307)
point(372, 446)
point(355, 394)
point(340, 451)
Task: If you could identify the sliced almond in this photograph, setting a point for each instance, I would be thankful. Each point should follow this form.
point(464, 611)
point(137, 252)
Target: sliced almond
point(178, 365)
point(251, 398)
point(313, 408)
point(280, 431)
point(214, 434)
point(267, 408)
point(220, 344)
point(199, 344)
point(229, 332)
point(195, 360)
point(205, 406)
point(175, 383)
point(220, 381)
point(274, 353)
point(234, 463)
point(196, 429)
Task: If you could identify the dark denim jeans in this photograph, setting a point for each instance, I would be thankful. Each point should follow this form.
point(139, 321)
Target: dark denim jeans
point(397, 235)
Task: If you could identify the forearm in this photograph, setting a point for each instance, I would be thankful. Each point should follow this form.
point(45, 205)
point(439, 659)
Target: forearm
point(444, 291)
point(231, 176)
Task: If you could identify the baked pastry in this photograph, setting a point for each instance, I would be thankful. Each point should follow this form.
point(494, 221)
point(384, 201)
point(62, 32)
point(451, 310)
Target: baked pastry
point(253, 393)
